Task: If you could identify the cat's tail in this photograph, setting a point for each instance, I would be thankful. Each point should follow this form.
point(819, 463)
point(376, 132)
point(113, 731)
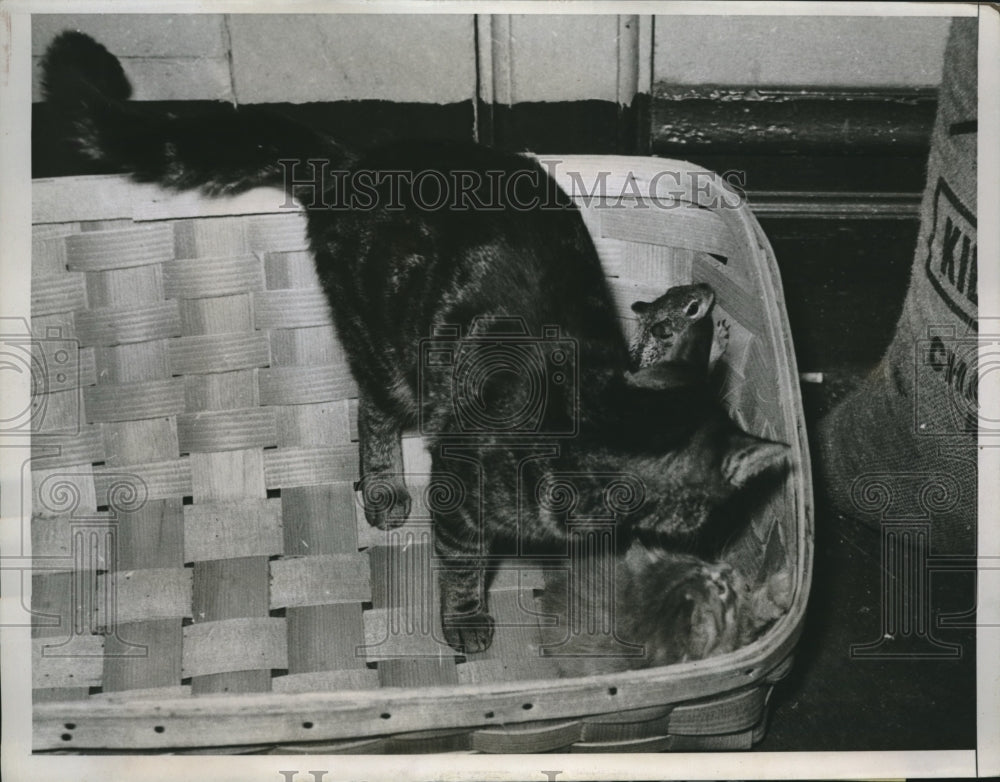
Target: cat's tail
point(228, 151)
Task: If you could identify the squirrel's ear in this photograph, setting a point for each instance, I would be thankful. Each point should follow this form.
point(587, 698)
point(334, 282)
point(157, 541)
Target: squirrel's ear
point(639, 307)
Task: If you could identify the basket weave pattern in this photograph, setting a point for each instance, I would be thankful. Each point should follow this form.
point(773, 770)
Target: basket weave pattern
point(193, 486)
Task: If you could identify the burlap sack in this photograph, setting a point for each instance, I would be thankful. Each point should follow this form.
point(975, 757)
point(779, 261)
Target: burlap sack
point(902, 446)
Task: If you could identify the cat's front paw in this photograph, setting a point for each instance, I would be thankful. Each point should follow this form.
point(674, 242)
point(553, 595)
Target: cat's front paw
point(470, 633)
point(386, 500)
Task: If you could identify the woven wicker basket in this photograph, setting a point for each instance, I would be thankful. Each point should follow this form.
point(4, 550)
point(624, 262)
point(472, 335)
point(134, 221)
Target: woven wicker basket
point(207, 580)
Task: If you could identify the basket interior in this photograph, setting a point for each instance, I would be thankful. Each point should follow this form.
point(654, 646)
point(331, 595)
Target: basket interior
point(195, 455)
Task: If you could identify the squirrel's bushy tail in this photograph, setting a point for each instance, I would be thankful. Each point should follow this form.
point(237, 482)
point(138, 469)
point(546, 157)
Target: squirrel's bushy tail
point(232, 150)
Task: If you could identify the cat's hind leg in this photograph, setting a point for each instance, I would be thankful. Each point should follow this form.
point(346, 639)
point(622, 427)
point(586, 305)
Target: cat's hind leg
point(462, 548)
point(463, 581)
point(383, 489)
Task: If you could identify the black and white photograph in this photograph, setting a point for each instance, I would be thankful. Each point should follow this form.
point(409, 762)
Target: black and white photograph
point(550, 391)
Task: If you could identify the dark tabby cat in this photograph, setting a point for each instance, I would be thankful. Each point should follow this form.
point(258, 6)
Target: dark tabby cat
point(505, 269)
